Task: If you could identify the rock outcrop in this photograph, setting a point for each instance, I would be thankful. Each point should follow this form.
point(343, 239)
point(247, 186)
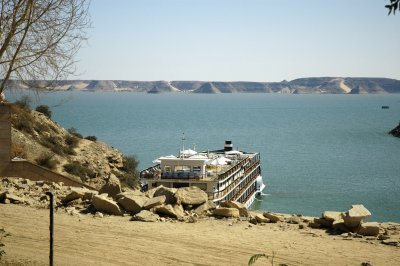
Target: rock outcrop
point(103, 204)
point(190, 196)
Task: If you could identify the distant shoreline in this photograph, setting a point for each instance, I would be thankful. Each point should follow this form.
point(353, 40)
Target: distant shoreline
point(313, 85)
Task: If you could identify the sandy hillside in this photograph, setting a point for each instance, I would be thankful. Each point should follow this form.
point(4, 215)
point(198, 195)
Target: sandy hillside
point(85, 240)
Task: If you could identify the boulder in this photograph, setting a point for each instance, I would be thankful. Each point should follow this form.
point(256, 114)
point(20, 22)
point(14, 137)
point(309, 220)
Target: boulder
point(103, 204)
point(130, 193)
point(206, 206)
point(150, 193)
point(153, 202)
point(169, 194)
point(323, 222)
point(226, 212)
point(294, 220)
point(76, 193)
point(112, 187)
point(369, 229)
point(145, 216)
point(272, 217)
point(339, 225)
point(237, 205)
point(169, 210)
point(353, 217)
point(89, 194)
point(260, 218)
point(331, 215)
point(190, 196)
point(12, 198)
point(132, 203)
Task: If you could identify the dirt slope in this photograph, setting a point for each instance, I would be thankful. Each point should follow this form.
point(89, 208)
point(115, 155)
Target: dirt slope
point(84, 240)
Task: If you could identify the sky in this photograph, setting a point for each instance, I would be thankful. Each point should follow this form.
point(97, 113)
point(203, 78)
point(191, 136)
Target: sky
point(239, 40)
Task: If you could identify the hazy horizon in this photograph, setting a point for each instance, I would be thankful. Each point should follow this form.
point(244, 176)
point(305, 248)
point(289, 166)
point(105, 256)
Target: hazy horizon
point(235, 40)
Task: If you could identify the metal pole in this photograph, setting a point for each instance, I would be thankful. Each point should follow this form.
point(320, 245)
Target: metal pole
point(50, 194)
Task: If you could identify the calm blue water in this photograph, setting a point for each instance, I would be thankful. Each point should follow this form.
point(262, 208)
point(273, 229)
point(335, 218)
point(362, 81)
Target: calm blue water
point(319, 152)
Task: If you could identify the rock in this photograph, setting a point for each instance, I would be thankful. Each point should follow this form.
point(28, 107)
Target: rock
point(192, 219)
point(369, 229)
point(237, 205)
point(206, 206)
point(323, 222)
point(74, 202)
point(390, 242)
point(169, 194)
point(168, 210)
point(226, 212)
point(272, 217)
point(150, 193)
point(339, 225)
point(353, 217)
point(253, 220)
point(314, 225)
point(153, 202)
point(76, 193)
point(132, 203)
point(331, 215)
point(106, 205)
point(98, 215)
point(89, 194)
point(145, 216)
point(260, 218)
point(294, 220)
point(190, 196)
point(130, 193)
point(112, 187)
point(12, 198)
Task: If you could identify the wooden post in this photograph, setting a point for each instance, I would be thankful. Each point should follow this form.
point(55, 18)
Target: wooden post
point(5, 136)
point(50, 194)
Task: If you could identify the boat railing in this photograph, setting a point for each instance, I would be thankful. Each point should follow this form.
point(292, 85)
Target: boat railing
point(225, 191)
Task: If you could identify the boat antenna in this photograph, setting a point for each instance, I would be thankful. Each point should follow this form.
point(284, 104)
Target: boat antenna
point(183, 141)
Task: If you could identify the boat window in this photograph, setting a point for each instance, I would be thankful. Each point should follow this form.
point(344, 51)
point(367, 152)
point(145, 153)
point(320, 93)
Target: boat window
point(167, 169)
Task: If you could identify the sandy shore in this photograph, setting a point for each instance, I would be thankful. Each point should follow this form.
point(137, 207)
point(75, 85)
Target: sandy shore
point(85, 240)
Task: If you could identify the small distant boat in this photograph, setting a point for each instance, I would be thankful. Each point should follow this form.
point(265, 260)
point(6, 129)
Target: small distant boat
point(385, 106)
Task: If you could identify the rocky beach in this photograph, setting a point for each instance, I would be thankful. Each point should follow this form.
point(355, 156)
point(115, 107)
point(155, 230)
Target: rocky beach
point(179, 226)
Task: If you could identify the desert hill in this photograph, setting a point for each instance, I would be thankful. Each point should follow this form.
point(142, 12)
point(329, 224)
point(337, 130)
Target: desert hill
point(36, 138)
point(318, 85)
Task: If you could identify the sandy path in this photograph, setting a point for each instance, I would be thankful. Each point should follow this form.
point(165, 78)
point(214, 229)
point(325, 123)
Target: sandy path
point(84, 240)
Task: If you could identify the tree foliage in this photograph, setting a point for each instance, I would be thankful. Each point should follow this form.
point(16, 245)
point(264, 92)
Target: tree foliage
point(39, 39)
point(393, 6)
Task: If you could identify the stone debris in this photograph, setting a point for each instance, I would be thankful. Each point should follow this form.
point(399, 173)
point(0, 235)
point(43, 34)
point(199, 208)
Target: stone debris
point(112, 186)
point(237, 205)
point(103, 204)
point(353, 217)
point(153, 202)
point(190, 196)
point(226, 212)
point(155, 206)
point(272, 217)
point(146, 216)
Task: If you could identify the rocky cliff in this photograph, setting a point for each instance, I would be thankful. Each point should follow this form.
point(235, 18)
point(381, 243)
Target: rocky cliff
point(395, 131)
point(319, 85)
point(36, 138)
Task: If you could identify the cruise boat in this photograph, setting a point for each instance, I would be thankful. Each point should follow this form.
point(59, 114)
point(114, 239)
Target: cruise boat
point(225, 174)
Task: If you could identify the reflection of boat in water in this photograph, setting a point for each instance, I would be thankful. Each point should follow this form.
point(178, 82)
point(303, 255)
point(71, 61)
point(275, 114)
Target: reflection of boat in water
point(385, 106)
point(225, 174)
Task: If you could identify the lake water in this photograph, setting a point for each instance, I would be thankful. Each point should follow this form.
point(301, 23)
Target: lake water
point(319, 152)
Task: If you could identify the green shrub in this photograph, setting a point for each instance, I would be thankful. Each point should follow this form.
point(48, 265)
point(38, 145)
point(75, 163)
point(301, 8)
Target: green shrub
point(130, 164)
point(24, 102)
point(54, 144)
point(23, 122)
point(77, 169)
point(92, 138)
point(74, 132)
point(129, 178)
point(47, 160)
point(44, 109)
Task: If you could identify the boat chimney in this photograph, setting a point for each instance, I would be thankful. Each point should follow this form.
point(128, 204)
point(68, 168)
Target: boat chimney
point(228, 145)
